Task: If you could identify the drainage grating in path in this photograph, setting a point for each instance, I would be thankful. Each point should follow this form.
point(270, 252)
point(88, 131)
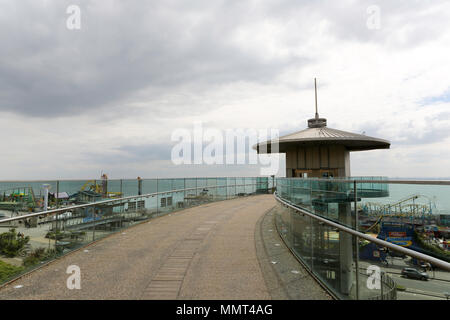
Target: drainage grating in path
point(166, 284)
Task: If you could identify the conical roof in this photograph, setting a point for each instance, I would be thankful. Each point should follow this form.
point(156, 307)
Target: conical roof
point(320, 134)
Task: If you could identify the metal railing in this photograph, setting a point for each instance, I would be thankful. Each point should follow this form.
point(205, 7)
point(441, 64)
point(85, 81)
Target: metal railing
point(437, 262)
point(379, 181)
point(104, 202)
point(319, 220)
point(134, 197)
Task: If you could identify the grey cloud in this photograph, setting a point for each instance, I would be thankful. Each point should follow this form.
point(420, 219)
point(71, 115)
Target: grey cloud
point(138, 153)
point(433, 135)
point(148, 151)
point(122, 48)
point(409, 134)
point(403, 24)
point(161, 47)
point(130, 154)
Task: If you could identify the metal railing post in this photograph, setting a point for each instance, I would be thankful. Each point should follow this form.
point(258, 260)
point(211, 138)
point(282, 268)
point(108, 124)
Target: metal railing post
point(226, 188)
point(171, 188)
point(157, 197)
point(356, 239)
point(57, 194)
point(312, 243)
point(122, 206)
point(184, 194)
point(56, 232)
point(93, 219)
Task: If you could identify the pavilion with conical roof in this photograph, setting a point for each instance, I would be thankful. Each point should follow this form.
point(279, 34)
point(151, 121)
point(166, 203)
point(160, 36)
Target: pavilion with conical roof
point(319, 151)
point(322, 152)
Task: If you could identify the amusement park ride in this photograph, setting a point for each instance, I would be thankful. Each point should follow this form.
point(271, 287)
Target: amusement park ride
point(403, 222)
point(101, 189)
point(415, 209)
point(23, 199)
point(397, 222)
point(18, 199)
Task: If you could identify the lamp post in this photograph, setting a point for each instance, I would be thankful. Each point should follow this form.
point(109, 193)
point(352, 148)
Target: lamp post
point(46, 188)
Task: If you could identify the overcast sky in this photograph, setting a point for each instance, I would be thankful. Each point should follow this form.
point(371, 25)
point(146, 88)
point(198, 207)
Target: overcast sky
point(108, 96)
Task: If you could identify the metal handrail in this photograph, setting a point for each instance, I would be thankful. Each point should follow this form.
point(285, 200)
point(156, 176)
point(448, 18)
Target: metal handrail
point(133, 179)
point(93, 204)
point(424, 182)
point(437, 262)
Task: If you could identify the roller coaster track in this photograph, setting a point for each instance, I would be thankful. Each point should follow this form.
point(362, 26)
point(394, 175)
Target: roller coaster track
point(412, 197)
point(392, 205)
point(374, 225)
point(400, 207)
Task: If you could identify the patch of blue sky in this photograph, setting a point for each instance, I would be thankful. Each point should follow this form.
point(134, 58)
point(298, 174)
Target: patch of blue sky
point(445, 97)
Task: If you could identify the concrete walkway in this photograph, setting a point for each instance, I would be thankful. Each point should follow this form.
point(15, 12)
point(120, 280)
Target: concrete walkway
point(205, 252)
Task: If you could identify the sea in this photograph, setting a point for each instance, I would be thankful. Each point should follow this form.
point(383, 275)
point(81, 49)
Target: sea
point(436, 195)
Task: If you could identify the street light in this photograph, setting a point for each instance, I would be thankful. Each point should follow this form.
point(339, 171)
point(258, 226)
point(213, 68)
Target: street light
point(46, 188)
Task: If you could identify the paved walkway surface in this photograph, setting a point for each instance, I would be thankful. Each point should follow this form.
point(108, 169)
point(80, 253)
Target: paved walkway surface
point(205, 252)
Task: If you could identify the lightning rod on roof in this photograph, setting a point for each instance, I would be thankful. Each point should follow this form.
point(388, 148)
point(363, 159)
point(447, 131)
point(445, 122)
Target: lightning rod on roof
point(315, 89)
point(316, 122)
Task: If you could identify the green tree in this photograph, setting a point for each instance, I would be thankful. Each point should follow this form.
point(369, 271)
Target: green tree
point(11, 243)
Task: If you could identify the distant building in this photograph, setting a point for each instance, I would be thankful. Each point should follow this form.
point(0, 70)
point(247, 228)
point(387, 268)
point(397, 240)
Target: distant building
point(444, 219)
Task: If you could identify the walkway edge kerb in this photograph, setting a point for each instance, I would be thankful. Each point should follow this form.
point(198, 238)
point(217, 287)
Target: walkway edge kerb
point(306, 266)
point(258, 234)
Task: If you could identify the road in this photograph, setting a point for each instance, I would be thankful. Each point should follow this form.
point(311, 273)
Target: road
point(434, 288)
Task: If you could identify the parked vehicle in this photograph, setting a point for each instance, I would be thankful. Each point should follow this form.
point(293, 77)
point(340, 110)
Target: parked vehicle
point(414, 274)
point(396, 254)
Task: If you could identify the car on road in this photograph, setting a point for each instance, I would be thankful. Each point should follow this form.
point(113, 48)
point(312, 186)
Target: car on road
point(395, 254)
point(414, 274)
